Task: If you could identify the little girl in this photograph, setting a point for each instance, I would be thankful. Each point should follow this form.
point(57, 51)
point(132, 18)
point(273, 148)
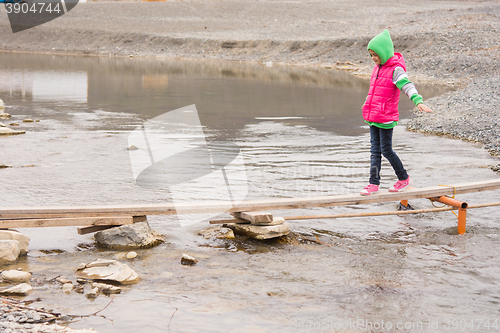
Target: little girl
point(380, 110)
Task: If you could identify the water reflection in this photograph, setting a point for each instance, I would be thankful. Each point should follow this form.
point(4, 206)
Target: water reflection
point(229, 96)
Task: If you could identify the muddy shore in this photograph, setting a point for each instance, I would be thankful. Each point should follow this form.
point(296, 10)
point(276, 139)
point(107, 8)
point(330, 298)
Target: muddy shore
point(455, 43)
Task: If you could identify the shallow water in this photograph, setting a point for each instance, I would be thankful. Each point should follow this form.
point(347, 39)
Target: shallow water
point(301, 134)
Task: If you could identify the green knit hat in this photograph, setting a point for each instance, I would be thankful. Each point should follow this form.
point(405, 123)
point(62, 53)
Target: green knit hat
point(382, 45)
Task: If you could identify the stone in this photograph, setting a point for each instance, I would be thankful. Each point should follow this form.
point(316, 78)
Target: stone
point(23, 240)
point(108, 270)
point(3, 125)
point(188, 260)
point(260, 232)
point(67, 287)
point(4, 115)
point(20, 289)
point(62, 280)
point(132, 147)
point(274, 221)
point(2, 105)
point(28, 120)
point(80, 289)
point(15, 276)
point(217, 232)
point(107, 288)
point(3, 166)
point(131, 255)
point(9, 251)
point(14, 124)
point(9, 131)
point(93, 293)
point(131, 236)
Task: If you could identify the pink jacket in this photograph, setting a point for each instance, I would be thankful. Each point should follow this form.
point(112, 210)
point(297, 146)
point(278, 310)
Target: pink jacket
point(381, 105)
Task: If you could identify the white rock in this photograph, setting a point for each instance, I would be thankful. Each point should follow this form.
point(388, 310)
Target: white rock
point(2, 125)
point(188, 260)
point(9, 131)
point(16, 276)
point(108, 270)
point(93, 293)
point(62, 280)
point(23, 240)
point(131, 236)
point(132, 147)
point(131, 255)
point(2, 105)
point(28, 120)
point(67, 287)
point(260, 232)
point(217, 232)
point(107, 288)
point(9, 251)
point(20, 289)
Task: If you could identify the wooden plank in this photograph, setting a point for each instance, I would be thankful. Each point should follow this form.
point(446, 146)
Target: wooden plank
point(250, 205)
point(65, 222)
point(235, 220)
point(140, 219)
point(254, 217)
point(94, 228)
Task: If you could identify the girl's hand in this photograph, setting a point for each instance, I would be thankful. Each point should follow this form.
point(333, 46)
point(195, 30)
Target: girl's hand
point(423, 108)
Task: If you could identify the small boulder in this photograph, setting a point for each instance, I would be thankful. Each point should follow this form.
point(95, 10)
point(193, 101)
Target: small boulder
point(3, 125)
point(107, 289)
point(67, 287)
point(260, 232)
point(2, 105)
point(23, 240)
point(14, 124)
point(4, 115)
point(131, 255)
point(15, 276)
point(3, 166)
point(131, 236)
point(132, 147)
point(9, 251)
point(188, 260)
point(62, 280)
point(20, 289)
point(217, 232)
point(9, 131)
point(108, 270)
point(28, 120)
point(93, 293)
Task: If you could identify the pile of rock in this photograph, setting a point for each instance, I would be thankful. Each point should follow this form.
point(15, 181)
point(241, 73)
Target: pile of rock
point(259, 225)
point(19, 279)
point(12, 244)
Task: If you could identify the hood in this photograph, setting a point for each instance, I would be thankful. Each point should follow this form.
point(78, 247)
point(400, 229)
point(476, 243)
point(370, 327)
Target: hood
point(382, 45)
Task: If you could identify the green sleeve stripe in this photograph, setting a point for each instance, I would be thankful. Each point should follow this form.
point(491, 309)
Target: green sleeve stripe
point(416, 99)
point(402, 82)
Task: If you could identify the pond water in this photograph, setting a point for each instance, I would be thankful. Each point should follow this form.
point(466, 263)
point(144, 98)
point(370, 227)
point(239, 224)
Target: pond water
point(301, 134)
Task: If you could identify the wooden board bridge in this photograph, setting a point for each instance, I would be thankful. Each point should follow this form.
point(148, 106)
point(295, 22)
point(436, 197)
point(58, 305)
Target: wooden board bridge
point(94, 218)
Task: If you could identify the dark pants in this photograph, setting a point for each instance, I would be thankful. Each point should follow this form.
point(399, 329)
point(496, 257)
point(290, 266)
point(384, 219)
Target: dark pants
point(381, 140)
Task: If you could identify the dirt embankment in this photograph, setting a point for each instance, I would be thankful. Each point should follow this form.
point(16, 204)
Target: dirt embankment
point(445, 42)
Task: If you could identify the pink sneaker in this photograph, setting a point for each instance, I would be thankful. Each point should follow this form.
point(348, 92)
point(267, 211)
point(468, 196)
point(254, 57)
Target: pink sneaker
point(401, 185)
point(370, 189)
